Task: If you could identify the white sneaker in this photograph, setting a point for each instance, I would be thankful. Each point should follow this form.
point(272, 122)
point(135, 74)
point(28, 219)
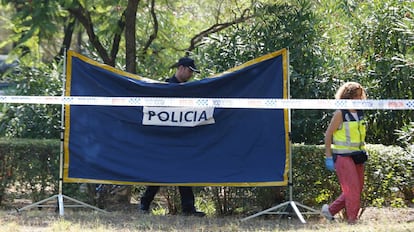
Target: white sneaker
point(325, 212)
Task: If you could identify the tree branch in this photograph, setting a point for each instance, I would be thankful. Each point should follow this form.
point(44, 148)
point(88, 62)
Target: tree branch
point(117, 38)
point(216, 28)
point(84, 18)
point(154, 34)
point(130, 41)
point(67, 39)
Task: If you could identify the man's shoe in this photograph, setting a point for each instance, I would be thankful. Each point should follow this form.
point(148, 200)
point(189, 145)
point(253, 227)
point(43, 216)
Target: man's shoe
point(194, 213)
point(325, 212)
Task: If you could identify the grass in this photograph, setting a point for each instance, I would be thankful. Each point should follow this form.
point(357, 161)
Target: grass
point(76, 219)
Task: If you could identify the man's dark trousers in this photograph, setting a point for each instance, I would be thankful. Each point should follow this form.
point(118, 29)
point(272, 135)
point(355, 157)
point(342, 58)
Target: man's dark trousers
point(186, 193)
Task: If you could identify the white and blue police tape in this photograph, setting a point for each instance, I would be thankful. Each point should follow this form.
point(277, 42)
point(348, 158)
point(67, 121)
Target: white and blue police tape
point(256, 103)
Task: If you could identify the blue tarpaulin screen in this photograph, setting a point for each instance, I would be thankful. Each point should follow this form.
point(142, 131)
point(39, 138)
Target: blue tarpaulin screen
point(177, 145)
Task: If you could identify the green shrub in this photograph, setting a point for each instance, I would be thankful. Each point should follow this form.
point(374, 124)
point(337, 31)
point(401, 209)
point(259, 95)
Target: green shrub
point(40, 121)
point(389, 176)
point(30, 166)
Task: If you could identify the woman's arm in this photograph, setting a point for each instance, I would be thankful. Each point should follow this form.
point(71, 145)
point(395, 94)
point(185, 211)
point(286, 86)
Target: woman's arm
point(333, 126)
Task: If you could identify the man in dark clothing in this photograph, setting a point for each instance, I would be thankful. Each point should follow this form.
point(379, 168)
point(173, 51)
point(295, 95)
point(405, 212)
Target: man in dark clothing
point(185, 68)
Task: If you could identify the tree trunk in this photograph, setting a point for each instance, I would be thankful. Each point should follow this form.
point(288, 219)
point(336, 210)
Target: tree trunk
point(130, 41)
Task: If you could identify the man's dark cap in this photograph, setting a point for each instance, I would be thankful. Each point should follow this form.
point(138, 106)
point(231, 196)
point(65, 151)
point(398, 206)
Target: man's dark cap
point(187, 62)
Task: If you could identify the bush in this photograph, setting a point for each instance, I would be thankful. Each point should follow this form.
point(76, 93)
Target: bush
point(33, 120)
point(389, 176)
point(30, 166)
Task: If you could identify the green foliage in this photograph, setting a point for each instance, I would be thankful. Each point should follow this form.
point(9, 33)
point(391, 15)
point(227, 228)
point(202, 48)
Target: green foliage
point(389, 175)
point(406, 137)
point(30, 166)
point(33, 121)
point(384, 47)
point(34, 23)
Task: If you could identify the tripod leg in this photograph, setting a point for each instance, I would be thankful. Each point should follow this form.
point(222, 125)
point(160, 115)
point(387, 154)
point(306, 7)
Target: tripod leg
point(266, 211)
point(61, 207)
point(298, 213)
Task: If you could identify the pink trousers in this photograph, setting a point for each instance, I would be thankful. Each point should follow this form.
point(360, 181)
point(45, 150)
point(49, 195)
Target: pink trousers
point(351, 179)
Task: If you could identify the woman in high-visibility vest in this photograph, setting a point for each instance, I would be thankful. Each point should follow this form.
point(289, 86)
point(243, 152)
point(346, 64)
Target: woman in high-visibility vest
point(345, 153)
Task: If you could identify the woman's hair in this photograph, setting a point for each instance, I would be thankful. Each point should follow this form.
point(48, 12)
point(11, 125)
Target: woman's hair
point(350, 90)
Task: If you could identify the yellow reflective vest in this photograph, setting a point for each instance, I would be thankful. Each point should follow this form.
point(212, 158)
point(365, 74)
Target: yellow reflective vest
point(350, 136)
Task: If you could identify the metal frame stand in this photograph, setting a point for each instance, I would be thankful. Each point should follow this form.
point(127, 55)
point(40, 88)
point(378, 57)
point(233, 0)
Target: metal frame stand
point(60, 197)
point(282, 208)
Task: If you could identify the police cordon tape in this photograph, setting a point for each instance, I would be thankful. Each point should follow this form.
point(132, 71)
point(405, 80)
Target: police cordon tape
point(255, 103)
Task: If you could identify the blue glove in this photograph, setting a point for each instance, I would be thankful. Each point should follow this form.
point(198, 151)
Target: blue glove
point(329, 163)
